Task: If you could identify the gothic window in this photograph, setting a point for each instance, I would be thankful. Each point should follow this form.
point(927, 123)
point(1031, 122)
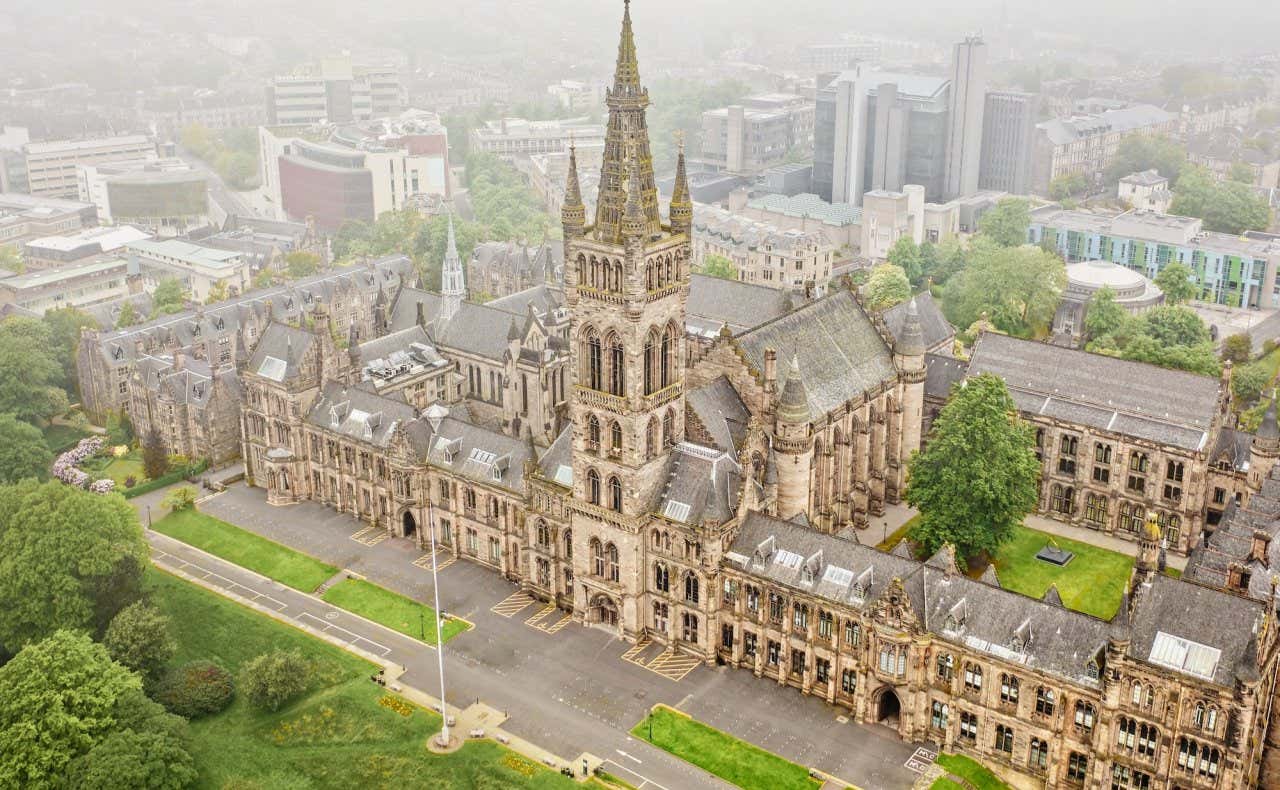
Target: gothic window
point(1004, 739)
point(753, 598)
point(1085, 714)
point(690, 588)
point(1039, 757)
point(799, 615)
point(615, 436)
point(593, 486)
point(597, 557)
point(1095, 509)
point(1138, 462)
point(1044, 701)
point(593, 372)
point(946, 666)
point(1008, 689)
point(1101, 453)
point(969, 726)
point(650, 361)
point(938, 718)
point(1130, 517)
point(825, 625)
point(661, 577)
point(617, 379)
point(972, 677)
point(1063, 499)
point(615, 494)
point(777, 604)
point(1125, 778)
point(689, 627)
point(593, 432)
point(651, 438)
point(852, 633)
point(849, 681)
point(773, 653)
point(730, 594)
point(1148, 739)
point(544, 534)
point(668, 428)
point(568, 544)
point(669, 338)
point(1067, 454)
point(822, 670)
point(1077, 768)
point(660, 612)
point(611, 552)
point(1170, 528)
point(1173, 471)
point(798, 662)
point(1199, 758)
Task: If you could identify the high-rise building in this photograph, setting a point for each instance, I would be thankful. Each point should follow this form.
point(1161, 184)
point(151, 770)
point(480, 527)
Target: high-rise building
point(51, 166)
point(965, 107)
point(758, 133)
point(1008, 131)
point(334, 91)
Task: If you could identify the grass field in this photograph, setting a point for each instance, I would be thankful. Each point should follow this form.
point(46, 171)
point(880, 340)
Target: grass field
point(971, 770)
point(1093, 582)
point(898, 534)
point(121, 469)
point(337, 735)
point(59, 437)
point(390, 609)
point(719, 753)
point(246, 549)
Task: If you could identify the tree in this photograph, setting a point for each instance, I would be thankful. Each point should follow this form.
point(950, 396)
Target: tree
point(132, 760)
point(888, 286)
point(68, 559)
point(1139, 152)
point(1249, 381)
point(155, 458)
point(906, 256)
point(180, 498)
point(974, 500)
point(128, 315)
point(943, 260)
point(63, 697)
point(1238, 348)
point(217, 292)
point(30, 374)
point(719, 266)
point(273, 679)
point(138, 638)
point(351, 240)
point(11, 259)
point(1104, 316)
point(1241, 173)
point(1007, 222)
point(301, 263)
point(168, 297)
point(23, 452)
point(1175, 279)
point(1018, 288)
point(1174, 326)
point(1067, 186)
point(1229, 207)
point(66, 324)
point(196, 689)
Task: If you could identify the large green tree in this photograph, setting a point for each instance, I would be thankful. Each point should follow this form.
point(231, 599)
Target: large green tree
point(168, 297)
point(906, 255)
point(1140, 152)
point(1175, 279)
point(1018, 288)
point(23, 453)
point(301, 263)
point(718, 266)
point(1228, 207)
point(978, 476)
point(1249, 381)
point(63, 698)
point(1104, 316)
point(65, 327)
point(138, 638)
point(30, 374)
point(1238, 348)
point(887, 286)
point(68, 559)
point(1007, 222)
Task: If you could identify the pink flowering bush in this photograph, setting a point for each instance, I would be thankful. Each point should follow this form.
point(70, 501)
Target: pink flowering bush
point(66, 467)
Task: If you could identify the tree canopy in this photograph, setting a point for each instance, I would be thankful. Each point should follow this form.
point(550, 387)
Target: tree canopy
point(887, 286)
point(978, 476)
point(23, 453)
point(168, 297)
point(1139, 152)
point(68, 559)
point(1016, 287)
point(138, 638)
point(718, 266)
point(31, 376)
point(906, 255)
point(1227, 207)
point(1169, 336)
point(1007, 222)
point(1175, 279)
point(301, 263)
point(1238, 347)
point(70, 716)
point(1104, 316)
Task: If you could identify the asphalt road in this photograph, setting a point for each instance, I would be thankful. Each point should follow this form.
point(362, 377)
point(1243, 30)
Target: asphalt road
point(219, 192)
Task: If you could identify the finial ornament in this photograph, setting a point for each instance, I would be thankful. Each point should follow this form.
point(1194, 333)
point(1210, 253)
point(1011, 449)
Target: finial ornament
point(679, 135)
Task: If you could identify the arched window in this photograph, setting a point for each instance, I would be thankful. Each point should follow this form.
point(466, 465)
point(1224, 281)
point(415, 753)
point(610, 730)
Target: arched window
point(593, 486)
point(597, 557)
point(592, 374)
point(668, 428)
point(593, 432)
point(617, 277)
point(615, 494)
point(617, 378)
point(972, 677)
point(1039, 757)
point(1009, 689)
point(650, 362)
point(661, 577)
point(568, 544)
point(1085, 714)
point(544, 534)
point(690, 588)
point(651, 438)
point(615, 436)
point(1004, 738)
point(657, 539)
point(1044, 701)
point(666, 361)
point(612, 552)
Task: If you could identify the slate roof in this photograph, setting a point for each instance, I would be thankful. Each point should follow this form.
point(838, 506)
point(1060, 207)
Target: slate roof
point(476, 328)
point(402, 341)
point(557, 462)
point(841, 353)
point(360, 414)
point(941, 373)
point(933, 324)
point(1234, 446)
point(279, 353)
point(473, 452)
point(1132, 398)
point(701, 484)
point(107, 314)
point(1183, 609)
point(192, 385)
point(1232, 542)
point(714, 301)
point(544, 298)
point(721, 411)
point(985, 618)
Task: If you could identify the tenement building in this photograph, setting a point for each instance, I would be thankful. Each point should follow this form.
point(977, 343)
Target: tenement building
point(705, 490)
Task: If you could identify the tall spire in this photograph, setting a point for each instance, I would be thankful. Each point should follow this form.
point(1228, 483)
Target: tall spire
point(681, 213)
point(626, 143)
point(453, 285)
point(632, 215)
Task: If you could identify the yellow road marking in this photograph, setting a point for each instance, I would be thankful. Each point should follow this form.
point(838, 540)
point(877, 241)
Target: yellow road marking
point(512, 604)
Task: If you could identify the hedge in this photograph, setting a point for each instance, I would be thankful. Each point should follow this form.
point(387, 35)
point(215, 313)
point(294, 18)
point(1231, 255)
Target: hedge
point(166, 479)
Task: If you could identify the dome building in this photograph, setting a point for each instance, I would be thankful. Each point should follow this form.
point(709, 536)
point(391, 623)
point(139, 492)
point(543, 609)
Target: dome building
point(1133, 291)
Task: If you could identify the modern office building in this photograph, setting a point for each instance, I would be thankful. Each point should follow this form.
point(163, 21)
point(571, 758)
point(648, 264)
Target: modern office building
point(512, 137)
point(53, 251)
point(354, 171)
point(1008, 131)
point(197, 267)
point(965, 108)
point(51, 166)
point(1229, 270)
point(165, 196)
point(877, 130)
point(759, 133)
point(334, 91)
point(72, 286)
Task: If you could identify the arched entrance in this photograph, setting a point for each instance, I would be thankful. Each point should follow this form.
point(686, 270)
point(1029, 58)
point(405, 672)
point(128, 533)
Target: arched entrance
point(410, 524)
point(888, 708)
point(604, 611)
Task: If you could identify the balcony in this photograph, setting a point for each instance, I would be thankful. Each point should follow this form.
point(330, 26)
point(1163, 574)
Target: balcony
point(662, 397)
point(594, 399)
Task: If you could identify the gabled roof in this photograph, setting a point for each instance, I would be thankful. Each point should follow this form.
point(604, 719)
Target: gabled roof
point(702, 484)
point(721, 412)
point(840, 351)
point(715, 301)
point(278, 355)
point(359, 414)
point(933, 324)
point(476, 453)
point(557, 462)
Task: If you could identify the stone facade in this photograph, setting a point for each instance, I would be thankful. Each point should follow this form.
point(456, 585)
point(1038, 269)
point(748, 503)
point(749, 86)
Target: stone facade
point(191, 405)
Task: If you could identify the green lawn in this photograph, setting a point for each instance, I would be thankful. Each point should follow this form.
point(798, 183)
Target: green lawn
point(719, 753)
point(391, 609)
point(337, 735)
point(1093, 582)
point(898, 534)
point(61, 437)
point(246, 549)
point(121, 469)
point(971, 770)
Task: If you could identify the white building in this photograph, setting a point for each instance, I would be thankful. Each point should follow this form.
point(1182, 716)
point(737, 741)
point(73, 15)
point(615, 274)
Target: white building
point(334, 91)
point(511, 137)
point(575, 96)
point(197, 268)
point(71, 286)
point(166, 196)
point(51, 166)
point(1146, 191)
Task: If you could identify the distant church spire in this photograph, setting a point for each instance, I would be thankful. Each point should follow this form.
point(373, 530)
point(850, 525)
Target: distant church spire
point(573, 215)
point(681, 213)
point(453, 285)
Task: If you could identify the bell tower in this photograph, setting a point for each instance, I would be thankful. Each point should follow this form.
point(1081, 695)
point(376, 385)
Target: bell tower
point(626, 284)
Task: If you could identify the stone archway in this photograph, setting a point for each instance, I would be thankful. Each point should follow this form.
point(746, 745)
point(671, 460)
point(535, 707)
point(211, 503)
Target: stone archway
point(410, 524)
point(888, 708)
point(603, 611)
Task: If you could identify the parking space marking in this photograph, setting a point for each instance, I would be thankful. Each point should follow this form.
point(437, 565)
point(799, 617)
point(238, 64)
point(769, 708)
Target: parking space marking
point(351, 637)
point(424, 562)
point(230, 585)
point(370, 536)
point(539, 615)
point(636, 650)
point(921, 759)
point(640, 781)
point(512, 604)
point(673, 666)
point(558, 625)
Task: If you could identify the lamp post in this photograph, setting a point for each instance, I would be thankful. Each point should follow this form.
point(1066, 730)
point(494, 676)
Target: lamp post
point(443, 737)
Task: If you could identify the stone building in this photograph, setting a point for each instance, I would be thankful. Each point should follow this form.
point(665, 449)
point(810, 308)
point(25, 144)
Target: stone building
point(501, 268)
point(193, 405)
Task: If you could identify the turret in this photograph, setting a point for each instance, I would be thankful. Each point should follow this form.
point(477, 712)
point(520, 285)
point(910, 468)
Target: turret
point(681, 213)
point(1147, 563)
point(793, 444)
point(453, 284)
point(1264, 450)
point(573, 214)
point(908, 357)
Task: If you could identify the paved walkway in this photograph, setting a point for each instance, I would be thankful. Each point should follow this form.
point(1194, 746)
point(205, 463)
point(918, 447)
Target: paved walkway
point(1096, 538)
point(571, 688)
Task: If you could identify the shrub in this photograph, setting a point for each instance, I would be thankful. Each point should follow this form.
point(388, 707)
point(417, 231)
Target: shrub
point(196, 689)
point(130, 481)
point(180, 498)
point(273, 679)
